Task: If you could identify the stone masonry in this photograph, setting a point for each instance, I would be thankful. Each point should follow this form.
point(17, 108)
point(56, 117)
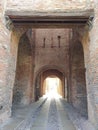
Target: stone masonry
point(28, 51)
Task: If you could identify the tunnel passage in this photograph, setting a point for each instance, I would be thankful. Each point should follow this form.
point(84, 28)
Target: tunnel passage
point(42, 80)
point(22, 85)
point(65, 62)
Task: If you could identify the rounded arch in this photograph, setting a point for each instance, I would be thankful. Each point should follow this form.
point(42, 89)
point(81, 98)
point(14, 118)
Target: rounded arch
point(47, 67)
point(45, 72)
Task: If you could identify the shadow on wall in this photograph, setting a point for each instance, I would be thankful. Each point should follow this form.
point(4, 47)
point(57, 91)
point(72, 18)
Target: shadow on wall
point(22, 85)
point(78, 80)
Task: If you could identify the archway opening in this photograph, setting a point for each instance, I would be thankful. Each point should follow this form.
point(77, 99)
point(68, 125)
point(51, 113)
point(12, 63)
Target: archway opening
point(50, 81)
point(53, 87)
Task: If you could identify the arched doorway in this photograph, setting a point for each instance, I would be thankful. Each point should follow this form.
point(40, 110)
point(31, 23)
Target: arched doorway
point(43, 79)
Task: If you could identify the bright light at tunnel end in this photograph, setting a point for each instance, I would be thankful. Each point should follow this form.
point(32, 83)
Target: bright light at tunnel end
point(52, 85)
point(53, 95)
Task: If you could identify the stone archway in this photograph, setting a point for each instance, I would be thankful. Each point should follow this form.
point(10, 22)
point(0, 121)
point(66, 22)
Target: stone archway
point(79, 14)
point(42, 75)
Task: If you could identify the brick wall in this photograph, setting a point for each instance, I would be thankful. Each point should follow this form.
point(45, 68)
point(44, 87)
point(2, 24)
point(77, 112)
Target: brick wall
point(9, 40)
point(52, 54)
point(9, 47)
point(78, 92)
point(51, 5)
point(90, 45)
point(4, 65)
point(92, 70)
point(48, 54)
point(22, 85)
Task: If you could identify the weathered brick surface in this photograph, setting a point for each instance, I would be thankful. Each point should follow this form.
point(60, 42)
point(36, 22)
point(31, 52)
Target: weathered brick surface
point(93, 67)
point(90, 44)
point(4, 56)
point(22, 85)
point(51, 5)
point(78, 90)
point(9, 47)
point(51, 55)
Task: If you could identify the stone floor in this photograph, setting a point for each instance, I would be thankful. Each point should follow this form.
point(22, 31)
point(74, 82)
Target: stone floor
point(46, 114)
